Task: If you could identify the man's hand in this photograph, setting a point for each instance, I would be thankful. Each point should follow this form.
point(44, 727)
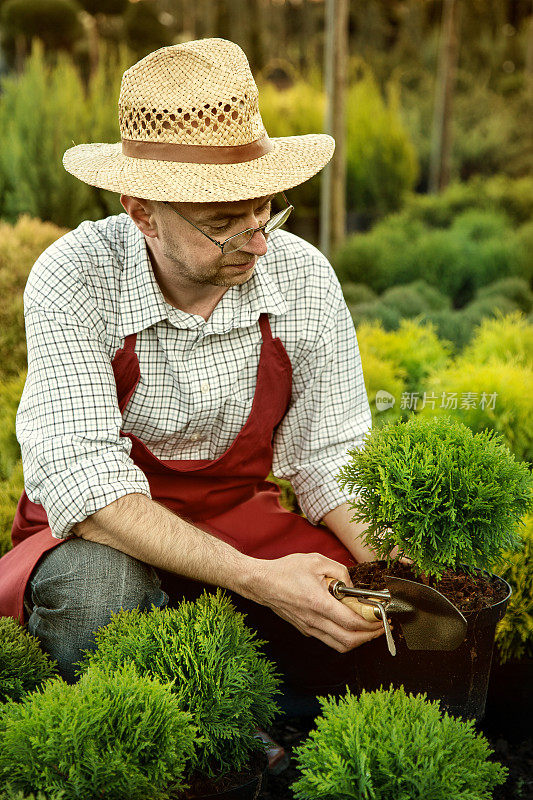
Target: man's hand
point(296, 588)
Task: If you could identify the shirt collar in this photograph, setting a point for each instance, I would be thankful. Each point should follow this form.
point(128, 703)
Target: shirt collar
point(142, 303)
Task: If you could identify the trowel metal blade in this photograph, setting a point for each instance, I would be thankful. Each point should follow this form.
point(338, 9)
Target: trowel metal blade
point(433, 623)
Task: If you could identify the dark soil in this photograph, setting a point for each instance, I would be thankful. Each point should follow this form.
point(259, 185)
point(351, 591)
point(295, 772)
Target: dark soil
point(468, 592)
point(518, 758)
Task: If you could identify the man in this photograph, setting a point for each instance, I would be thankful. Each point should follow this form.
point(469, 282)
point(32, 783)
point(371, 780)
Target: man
point(174, 357)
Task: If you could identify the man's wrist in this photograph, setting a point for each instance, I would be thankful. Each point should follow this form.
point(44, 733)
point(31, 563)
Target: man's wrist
point(248, 576)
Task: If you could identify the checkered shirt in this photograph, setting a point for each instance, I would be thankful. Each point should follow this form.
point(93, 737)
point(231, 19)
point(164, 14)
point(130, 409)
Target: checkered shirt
point(93, 287)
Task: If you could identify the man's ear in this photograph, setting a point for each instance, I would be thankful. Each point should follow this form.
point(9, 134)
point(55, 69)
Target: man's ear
point(142, 213)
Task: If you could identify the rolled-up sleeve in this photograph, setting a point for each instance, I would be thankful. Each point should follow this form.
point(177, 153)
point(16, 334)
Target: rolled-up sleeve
point(329, 412)
point(68, 423)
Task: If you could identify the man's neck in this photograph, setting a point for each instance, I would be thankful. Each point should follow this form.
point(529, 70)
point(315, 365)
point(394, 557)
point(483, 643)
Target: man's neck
point(197, 299)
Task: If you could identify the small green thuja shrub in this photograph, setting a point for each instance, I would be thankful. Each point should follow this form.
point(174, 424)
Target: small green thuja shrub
point(23, 665)
point(113, 735)
point(446, 497)
point(387, 744)
point(219, 674)
point(514, 634)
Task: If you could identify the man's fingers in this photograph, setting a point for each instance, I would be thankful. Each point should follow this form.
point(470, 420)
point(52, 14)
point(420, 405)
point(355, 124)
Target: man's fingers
point(343, 644)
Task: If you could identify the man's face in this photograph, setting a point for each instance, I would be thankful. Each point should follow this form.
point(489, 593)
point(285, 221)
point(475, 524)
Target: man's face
point(192, 258)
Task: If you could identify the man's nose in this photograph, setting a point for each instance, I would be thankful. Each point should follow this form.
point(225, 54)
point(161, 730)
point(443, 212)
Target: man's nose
point(257, 245)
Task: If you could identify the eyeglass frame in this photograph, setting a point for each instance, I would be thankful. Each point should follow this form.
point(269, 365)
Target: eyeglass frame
point(252, 231)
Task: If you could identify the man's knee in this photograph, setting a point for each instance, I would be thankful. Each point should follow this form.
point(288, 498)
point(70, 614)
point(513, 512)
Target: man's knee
point(74, 591)
point(88, 577)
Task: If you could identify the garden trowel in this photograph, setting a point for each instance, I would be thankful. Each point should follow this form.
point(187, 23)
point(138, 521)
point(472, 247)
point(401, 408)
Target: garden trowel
point(429, 621)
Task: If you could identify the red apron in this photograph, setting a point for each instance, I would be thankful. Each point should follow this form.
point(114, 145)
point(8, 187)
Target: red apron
point(229, 497)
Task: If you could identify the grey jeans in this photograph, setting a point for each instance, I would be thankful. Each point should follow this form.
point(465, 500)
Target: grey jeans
point(73, 591)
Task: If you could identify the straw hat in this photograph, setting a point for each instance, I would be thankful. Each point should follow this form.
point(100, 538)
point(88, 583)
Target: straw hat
point(191, 131)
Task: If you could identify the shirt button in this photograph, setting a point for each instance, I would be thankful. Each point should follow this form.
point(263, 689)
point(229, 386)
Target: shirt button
point(204, 388)
point(195, 437)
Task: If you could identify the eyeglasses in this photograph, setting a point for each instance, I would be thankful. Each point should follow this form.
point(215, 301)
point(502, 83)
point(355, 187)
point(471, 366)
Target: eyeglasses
point(240, 240)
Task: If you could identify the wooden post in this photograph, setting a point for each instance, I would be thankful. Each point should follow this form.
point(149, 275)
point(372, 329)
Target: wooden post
point(441, 138)
point(333, 187)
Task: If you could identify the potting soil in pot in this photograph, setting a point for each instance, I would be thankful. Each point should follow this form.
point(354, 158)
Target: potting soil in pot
point(468, 592)
point(458, 678)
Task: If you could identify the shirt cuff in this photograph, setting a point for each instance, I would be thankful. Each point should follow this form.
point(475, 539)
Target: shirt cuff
point(91, 484)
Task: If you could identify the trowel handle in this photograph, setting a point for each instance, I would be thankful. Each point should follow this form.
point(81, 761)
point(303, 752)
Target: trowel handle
point(364, 610)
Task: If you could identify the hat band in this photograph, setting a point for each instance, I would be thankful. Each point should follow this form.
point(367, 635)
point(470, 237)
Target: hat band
point(197, 154)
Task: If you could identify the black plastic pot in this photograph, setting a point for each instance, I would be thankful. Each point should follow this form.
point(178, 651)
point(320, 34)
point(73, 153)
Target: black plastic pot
point(250, 789)
point(458, 678)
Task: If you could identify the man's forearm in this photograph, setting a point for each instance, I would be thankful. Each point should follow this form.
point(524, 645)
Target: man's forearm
point(349, 533)
point(294, 586)
point(151, 533)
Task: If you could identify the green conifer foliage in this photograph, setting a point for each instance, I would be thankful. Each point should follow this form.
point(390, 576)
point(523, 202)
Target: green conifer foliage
point(218, 672)
point(445, 496)
point(23, 665)
point(8, 793)
point(113, 735)
point(386, 744)
point(514, 634)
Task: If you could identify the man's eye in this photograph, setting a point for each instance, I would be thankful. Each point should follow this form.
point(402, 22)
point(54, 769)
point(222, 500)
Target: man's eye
point(220, 227)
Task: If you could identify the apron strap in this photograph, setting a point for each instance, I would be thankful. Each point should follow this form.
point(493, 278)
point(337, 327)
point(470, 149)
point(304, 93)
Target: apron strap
point(129, 343)
point(264, 324)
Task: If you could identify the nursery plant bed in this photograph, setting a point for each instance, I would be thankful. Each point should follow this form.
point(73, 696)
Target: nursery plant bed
point(458, 678)
point(291, 731)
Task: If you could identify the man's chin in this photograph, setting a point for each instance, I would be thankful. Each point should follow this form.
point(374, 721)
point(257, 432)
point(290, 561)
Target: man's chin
point(236, 279)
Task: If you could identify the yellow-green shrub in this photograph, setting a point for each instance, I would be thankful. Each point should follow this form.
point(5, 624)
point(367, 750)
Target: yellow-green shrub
point(507, 338)
point(20, 245)
point(514, 634)
point(512, 385)
point(10, 393)
point(413, 348)
point(381, 160)
point(10, 491)
point(382, 375)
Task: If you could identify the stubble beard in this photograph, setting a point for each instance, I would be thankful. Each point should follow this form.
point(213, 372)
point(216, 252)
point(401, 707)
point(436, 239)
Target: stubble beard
point(214, 277)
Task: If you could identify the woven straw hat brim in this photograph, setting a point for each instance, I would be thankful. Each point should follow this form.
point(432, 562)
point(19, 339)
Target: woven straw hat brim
point(292, 161)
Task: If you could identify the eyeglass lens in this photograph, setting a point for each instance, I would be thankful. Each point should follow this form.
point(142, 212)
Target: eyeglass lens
point(241, 239)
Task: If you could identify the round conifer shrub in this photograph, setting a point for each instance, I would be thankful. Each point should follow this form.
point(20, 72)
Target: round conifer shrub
point(506, 338)
point(115, 734)
point(213, 659)
point(375, 311)
point(446, 497)
point(357, 293)
point(414, 298)
point(387, 744)
point(23, 665)
point(515, 289)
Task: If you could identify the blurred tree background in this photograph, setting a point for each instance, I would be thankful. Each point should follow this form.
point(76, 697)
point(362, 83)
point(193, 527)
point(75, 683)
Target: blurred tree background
point(392, 71)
